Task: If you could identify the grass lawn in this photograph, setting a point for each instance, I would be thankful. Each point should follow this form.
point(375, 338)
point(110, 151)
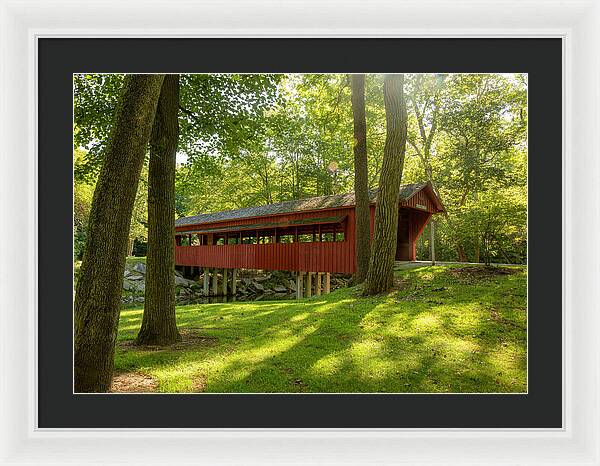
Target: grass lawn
point(445, 329)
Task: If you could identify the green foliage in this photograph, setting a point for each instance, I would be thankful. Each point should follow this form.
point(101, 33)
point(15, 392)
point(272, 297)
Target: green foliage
point(444, 331)
point(477, 159)
point(94, 102)
point(83, 193)
point(258, 139)
point(138, 229)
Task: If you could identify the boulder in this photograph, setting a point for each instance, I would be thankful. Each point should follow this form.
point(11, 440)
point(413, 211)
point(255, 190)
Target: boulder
point(127, 285)
point(292, 285)
point(178, 274)
point(139, 286)
point(140, 267)
point(180, 281)
point(135, 277)
point(258, 286)
point(280, 289)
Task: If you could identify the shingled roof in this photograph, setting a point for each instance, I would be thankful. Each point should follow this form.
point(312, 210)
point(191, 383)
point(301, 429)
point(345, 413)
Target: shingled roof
point(300, 205)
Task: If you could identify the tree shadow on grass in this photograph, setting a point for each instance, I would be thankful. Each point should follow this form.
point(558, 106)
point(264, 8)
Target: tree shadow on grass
point(401, 342)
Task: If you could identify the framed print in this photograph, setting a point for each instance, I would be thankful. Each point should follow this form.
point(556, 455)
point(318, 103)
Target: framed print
point(484, 348)
point(302, 354)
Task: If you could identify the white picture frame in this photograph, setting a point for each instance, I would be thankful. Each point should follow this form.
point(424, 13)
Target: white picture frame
point(576, 22)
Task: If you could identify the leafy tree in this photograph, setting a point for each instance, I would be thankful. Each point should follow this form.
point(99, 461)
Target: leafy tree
point(159, 326)
point(381, 267)
point(138, 230)
point(82, 203)
point(361, 182)
point(98, 292)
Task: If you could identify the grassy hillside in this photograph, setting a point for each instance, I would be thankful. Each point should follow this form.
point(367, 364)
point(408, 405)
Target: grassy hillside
point(444, 329)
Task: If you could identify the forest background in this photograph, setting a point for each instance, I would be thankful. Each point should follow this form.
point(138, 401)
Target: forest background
point(248, 140)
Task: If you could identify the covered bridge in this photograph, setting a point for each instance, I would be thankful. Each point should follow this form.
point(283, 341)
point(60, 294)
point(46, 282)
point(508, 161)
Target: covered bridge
point(313, 235)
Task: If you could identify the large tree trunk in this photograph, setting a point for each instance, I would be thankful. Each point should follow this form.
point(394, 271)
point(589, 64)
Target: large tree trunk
point(380, 277)
point(158, 324)
point(98, 294)
point(361, 179)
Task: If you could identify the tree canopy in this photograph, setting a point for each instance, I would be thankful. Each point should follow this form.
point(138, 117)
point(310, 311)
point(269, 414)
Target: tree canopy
point(255, 139)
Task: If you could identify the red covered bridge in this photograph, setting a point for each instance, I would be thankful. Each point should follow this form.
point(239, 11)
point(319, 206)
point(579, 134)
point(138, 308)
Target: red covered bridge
point(314, 235)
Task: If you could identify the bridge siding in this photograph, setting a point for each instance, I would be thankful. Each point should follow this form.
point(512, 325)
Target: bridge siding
point(335, 257)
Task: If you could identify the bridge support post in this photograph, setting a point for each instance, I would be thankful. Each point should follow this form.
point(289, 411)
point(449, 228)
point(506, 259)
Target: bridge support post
point(309, 284)
point(299, 284)
point(215, 285)
point(233, 282)
point(327, 283)
point(224, 282)
point(318, 284)
point(432, 240)
point(206, 279)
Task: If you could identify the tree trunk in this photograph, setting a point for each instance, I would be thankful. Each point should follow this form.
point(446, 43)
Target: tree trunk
point(158, 323)
point(380, 277)
point(130, 247)
point(361, 181)
point(462, 256)
point(98, 294)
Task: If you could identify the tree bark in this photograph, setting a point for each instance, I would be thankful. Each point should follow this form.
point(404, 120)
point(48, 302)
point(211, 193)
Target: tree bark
point(98, 293)
point(159, 326)
point(380, 277)
point(361, 181)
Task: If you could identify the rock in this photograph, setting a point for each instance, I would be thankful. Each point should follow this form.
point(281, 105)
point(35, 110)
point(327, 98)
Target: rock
point(292, 285)
point(280, 289)
point(185, 282)
point(258, 286)
point(127, 285)
point(180, 281)
point(135, 277)
point(139, 286)
point(178, 274)
point(247, 281)
point(140, 267)
point(139, 299)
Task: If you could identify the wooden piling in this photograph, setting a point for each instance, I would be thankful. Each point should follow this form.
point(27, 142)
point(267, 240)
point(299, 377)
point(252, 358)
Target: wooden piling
point(299, 285)
point(327, 283)
point(224, 282)
point(233, 282)
point(318, 284)
point(432, 240)
point(309, 284)
point(215, 283)
point(206, 280)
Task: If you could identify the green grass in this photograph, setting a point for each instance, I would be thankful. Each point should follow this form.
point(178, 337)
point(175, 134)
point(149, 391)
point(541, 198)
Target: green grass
point(439, 332)
point(135, 259)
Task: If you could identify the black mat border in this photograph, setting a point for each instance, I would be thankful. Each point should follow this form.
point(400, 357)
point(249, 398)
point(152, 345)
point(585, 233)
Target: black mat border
point(59, 58)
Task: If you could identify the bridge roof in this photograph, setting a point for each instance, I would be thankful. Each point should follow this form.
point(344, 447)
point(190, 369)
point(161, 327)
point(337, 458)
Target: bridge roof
point(299, 205)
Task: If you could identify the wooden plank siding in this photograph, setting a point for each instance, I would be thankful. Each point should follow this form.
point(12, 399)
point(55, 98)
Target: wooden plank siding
point(420, 201)
point(306, 257)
